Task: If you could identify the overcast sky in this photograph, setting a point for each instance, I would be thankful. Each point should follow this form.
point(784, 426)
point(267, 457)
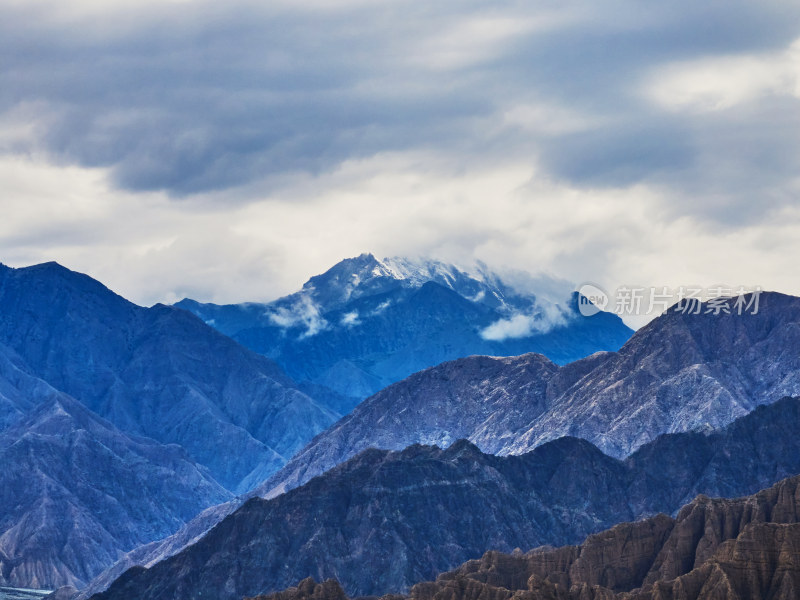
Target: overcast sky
point(228, 150)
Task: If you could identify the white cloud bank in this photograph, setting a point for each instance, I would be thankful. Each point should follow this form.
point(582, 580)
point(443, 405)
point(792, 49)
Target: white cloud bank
point(722, 82)
point(303, 313)
point(522, 325)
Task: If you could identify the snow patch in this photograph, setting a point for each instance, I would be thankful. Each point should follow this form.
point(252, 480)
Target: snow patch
point(381, 307)
point(350, 319)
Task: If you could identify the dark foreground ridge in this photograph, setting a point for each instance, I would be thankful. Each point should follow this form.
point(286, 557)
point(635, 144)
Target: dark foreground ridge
point(386, 520)
point(747, 548)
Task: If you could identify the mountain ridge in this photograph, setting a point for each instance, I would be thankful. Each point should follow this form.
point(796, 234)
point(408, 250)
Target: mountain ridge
point(77, 493)
point(366, 323)
point(714, 548)
point(384, 520)
point(656, 383)
point(158, 372)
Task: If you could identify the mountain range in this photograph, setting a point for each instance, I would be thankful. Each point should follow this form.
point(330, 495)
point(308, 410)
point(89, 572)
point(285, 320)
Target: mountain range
point(681, 372)
point(165, 403)
point(746, 548)
point(118, 424)
point(384, 520)
point(122, 424)
point(157, 372)
point(366, 323)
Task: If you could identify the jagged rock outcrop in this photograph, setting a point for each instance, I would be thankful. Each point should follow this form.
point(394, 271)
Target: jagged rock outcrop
point(308, 589)
point(682, 372)
point(715, 548)
point(763, 561)
point(366, 323)
point(747, 548)
point(384, 520)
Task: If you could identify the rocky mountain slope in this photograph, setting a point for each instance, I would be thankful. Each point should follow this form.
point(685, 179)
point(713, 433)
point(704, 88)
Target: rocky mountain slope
point(682, 372)
point(76, 493)
point(715, 548)
point(366, 323)
point(158, 372)
point(20, 392)
point(384, 520)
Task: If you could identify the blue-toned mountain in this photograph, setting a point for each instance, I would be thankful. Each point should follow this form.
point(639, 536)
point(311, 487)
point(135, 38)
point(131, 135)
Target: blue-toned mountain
point(158, 372)
point(682, 372)
point(76, 493)
point(366, 323)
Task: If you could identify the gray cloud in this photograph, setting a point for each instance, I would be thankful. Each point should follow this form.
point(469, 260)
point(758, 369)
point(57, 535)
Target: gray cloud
point(221, 100)
point(197, 97)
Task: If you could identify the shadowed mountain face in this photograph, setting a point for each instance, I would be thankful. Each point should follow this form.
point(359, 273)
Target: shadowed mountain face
point(682, 372)
point(158, 372)
point(367, 323)
point(76, 493)
point(746, 548)
point(384, 520)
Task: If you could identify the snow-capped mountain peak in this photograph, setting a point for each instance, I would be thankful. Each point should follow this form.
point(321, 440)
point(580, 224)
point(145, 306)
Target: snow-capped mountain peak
point(368, 322)
point(366, 275)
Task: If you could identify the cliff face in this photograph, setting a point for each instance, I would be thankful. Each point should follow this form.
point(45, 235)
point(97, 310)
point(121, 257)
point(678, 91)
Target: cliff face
point(385, 520)
point(746, 548)
point(763, 561)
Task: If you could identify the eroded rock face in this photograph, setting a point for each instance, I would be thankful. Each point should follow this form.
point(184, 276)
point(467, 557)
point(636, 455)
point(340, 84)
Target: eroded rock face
point(308, 589)
point(742, 548)
point(716, 549)
point(385, 520)
point(763, 561)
